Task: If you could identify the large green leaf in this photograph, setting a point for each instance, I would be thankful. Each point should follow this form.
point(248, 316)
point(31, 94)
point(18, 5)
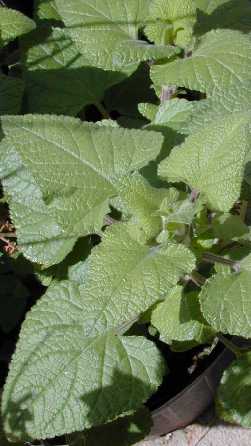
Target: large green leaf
point(174, 20)
point(107, 33)
point(39, 236)
point(11, 93)
point(57, 78)
point(92, 160)
point(77, 329)
point(212, 161)
point(231, 14)
point(220, 61)
point(179, 318)
point(13, 24)
point(226, 304)
point(234, 398)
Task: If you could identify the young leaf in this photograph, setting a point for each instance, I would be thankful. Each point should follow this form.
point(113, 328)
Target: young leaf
point(92, 161)
point(220, 61)
point(107, 34)
point(13, 24)
point(212, 161)
point(179, 318)
point(46, 10)
point(233, 399)
point(226, 305)
point(57, 78)
point(11, 93)
point(71, 372)
point(39, 236)
point(173, 22)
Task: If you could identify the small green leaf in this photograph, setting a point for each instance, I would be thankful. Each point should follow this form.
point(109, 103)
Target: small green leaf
point(229, 227)
point(93, 159)
point(179, 318)
point(11, 93)
point(142, 202)
point(234, 399)
point(212, 161)
point(13, 24)
point(174, 21)
point(57, 78)
point(226, 305)
point(46, 10)
point(107, 34)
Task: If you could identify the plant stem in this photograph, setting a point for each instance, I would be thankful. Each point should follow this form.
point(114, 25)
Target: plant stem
point(102, 110)
point(197, 278)
point(214, 258)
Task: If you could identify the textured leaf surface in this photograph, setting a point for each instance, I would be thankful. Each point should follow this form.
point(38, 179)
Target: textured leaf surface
point(178, 318)
point(57, 78)
point(234, 398)
point(174, 22)
point(221, 59)
point(174, 114)
point(11, 93)
point(39, 236)
point(226, 304)
point(92, 160)
point(90, 365)
point(106, 33)
point(13, 24)
point(212, 161)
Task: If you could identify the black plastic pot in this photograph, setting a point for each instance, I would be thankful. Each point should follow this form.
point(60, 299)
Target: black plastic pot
point(189, 404)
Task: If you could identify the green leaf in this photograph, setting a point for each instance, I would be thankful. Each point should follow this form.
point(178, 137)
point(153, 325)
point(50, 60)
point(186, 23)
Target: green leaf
point(57, 78)
point(13, 299)
point(107, 34)
point(219, 63)
point(99, 156)
point(125, 431)
point(142, 202)
point(225, 303)
point(39, 236)
point(13, 24)
point(212, 161)
point(46, 10)
point(175, 114)
point(229, 227)
point(233, 399)
point(174, 21)
point(179, 318)
point(231, 14)
point(91, 364)
point(11, 93)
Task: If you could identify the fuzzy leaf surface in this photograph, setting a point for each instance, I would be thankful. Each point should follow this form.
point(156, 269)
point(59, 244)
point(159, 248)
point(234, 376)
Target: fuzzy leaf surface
point(107, 33)
point(77, 165)
point(212, 161)
point(226, 305)
point(13, 24)
point(178, 318)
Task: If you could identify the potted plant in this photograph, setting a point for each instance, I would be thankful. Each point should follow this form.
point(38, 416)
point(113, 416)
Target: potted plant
point(125, 217)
